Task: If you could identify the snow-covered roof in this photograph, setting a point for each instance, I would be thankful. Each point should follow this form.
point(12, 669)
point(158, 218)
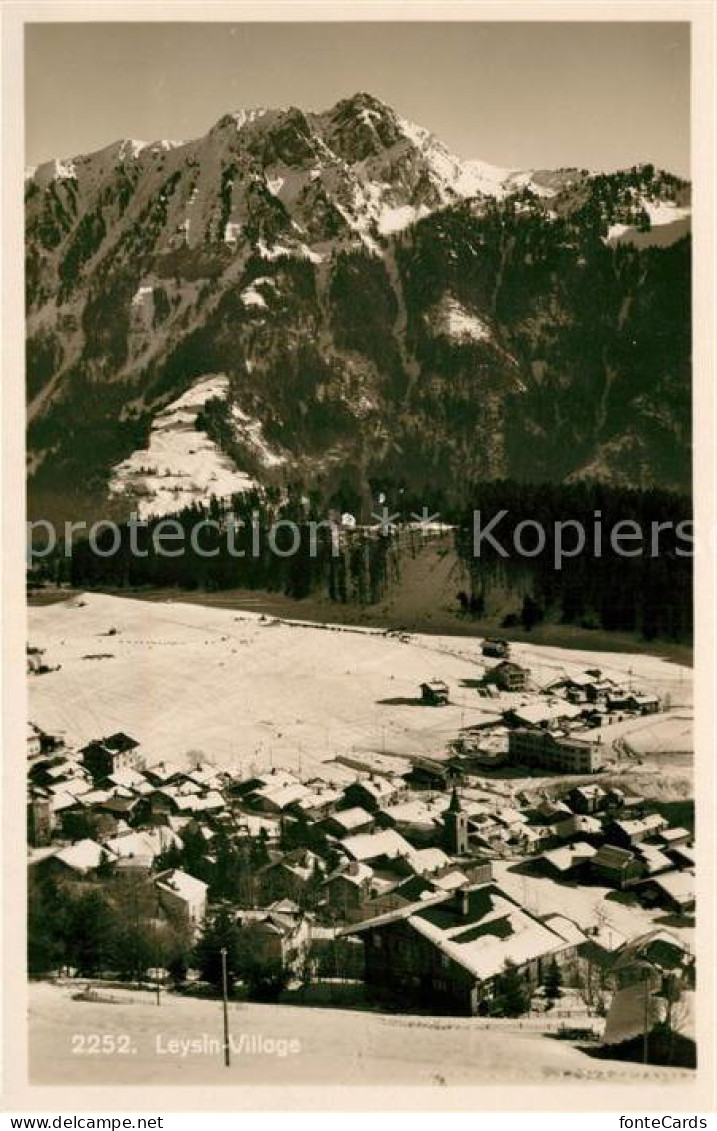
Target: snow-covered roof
point(181, 884)
point(83, 856)
point(369, 846)
point(352, 818)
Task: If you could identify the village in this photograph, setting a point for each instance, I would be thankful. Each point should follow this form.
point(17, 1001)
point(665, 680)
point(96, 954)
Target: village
point(515, 873)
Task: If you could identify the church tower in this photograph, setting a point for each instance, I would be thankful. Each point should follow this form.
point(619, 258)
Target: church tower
point(455, 823)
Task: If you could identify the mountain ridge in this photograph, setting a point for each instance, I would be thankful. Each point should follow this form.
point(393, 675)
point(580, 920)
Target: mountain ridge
point(357, 283)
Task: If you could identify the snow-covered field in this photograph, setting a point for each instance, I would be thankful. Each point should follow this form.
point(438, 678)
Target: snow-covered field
point(246, 690)
point(323, 1046)
point(182, 465)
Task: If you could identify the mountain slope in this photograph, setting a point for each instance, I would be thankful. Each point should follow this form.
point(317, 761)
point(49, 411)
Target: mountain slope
point(381, 311)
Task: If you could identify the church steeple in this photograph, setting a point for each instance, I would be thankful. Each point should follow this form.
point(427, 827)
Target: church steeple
point(455, 826)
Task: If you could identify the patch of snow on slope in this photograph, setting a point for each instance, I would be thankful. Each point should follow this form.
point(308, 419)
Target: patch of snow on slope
point(180, 466)
point(454, 321)
point(250, 431)
point(246, 117)
point(395, 219)
point(661, 212)
point(664, 212)
point(131, 148)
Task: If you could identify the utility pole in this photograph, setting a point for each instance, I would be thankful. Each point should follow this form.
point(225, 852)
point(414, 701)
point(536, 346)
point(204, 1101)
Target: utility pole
point(156, 947)
point(646, 1017)
point(225, 1005)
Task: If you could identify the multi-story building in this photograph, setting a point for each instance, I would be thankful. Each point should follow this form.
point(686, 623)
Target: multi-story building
point(548, 750)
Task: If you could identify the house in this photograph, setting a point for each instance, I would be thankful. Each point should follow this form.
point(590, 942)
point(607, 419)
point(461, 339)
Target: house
point(658, 950)
point(552, 810)
point(78, 859)
point(34, 743)
point(444, 952)
point(277, 798)
point(674, 837)
point(631, 832)
point(653, 858)
point(508, 676)
point(296, 876)
point(347, 890)
point(435, 693)
point(577, 826)
point(617, 867)
point(674, 890)
point(106, 756)
point(348, 822)
point(315, 804)
point(280, 933)
point(371, 793)
point(40, 821)
point(419, 820)
point(182, 895)
point(569, 861)
point(165, 773)
point(140, 848)
point(545, 713)
point(384, 845)
point(587, 798)
point(569, 754)
point(492, 646)
point(683, 856)
point(644, 703)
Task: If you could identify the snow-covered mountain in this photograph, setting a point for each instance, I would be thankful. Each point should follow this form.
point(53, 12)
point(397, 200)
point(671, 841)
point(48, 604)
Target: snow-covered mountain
point(371, 300)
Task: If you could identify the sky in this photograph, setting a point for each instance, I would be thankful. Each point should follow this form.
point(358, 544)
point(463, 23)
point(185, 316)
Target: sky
point(520, 95)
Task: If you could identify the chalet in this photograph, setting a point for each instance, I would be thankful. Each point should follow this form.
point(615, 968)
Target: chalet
point(509, 676)
point(106, 756)
point(165, 773)
point(543, 714)
point(587, 798)
point(683, 856)
point(78, 859)
point(674, 837)
point(295, 876)
point(315, 804)
point(577, 827)
point(629, 833)
point(347, 890)
point(280, 933)
point(182, 895)
point(384, 845)
point(570, 861)
point(644, 703)
point(140, 848)
point(419, 820)
point(39, 817)
point(435, 693)
point(371, 793)
point(492, 646)
point(273, 798)
point(617, 867)
point(445, 952)
point(658, 951)
point(348, 822)
point(430, 773)
point(653, 858)
point(675, 891)
point(34, 744)
point(394, 896)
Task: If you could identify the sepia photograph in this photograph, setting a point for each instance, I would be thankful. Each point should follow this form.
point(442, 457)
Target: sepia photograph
point(360, 555)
